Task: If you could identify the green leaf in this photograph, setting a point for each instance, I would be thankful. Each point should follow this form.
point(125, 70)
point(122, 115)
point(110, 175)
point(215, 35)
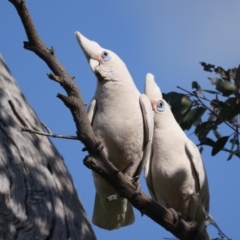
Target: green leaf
point(196, 86)
point(174, 98)
point(207, 67)
point(237, 77)
point(233, 141)
point(210, 91)
point(202, 130)
point(219, 70)
point(226, 108)
point(191, 117)
point(223, 73)
point(232, 72)
point(233, 112)
point(180, 104)
point(201, 150)
point(216, 133)
point(215, 81)
point(209, 142)
point(231, 155)
point(226, 88)
point(215, 103)
point(219, 145)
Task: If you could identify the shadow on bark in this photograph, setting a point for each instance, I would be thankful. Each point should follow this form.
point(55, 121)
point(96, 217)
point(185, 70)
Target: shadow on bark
point(37, 197)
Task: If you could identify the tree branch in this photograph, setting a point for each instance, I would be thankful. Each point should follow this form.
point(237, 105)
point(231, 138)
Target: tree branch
point(98, 162)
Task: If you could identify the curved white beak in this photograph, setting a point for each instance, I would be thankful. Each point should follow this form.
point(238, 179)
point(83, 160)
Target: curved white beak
point(90, 48)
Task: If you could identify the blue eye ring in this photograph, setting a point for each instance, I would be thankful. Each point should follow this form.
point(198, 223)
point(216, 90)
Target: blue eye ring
point(160, 106)
point(105, 56)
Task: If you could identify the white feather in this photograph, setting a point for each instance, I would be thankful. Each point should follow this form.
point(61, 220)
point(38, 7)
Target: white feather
point(176, 177)
point(123, 126)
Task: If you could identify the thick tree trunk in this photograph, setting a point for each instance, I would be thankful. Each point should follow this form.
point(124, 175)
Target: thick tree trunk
point(37, 196)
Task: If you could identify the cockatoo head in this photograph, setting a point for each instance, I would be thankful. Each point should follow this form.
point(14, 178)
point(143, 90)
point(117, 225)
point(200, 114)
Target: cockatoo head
point(106, 65)
point(162, 111)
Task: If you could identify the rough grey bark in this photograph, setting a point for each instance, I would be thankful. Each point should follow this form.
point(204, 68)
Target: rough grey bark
point(37, 196)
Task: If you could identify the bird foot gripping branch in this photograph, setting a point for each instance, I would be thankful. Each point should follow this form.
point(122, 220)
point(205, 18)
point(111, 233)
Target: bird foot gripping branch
point(93, 164)
point(99, 147)
point(89, 162)
point(114, 197)
point(177, 216)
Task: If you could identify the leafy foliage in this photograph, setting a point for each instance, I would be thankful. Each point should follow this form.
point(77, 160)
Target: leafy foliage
point(217, 107)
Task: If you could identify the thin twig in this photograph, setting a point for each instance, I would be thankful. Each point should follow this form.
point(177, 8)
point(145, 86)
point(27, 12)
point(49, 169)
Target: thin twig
point(46, 128)
point(220, 232)
point(224, 149)
point(26, 129)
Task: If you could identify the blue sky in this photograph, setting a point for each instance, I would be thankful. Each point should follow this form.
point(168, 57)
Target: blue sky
point(166, 38)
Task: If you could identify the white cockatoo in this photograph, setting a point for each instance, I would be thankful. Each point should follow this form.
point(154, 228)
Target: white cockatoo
point(122, 120)
point(175, 174)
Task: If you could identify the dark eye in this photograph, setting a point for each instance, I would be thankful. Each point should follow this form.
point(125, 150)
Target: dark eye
point(105, 56)
point(160, 106)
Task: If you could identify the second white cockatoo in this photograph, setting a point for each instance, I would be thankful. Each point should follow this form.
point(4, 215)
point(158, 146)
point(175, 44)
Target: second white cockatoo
point(175, 174)
point(122, 120)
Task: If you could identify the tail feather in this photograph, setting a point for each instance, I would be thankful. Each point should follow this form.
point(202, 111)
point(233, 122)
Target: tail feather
point(112, 215)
